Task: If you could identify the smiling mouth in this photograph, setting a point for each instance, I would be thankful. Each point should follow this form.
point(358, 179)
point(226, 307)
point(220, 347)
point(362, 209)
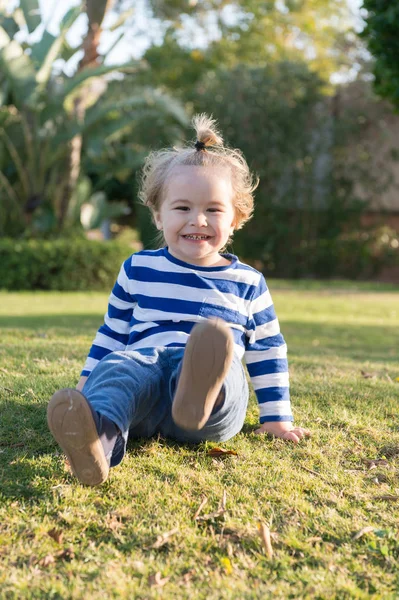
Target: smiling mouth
point(196, 237)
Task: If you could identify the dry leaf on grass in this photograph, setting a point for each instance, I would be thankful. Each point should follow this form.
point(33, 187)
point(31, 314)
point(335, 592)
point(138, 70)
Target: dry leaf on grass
point(50, 559)
point(221, 452)
point(387, 497)
point(46, 561)
point(314, 539)
point(381, 478)
point(264, 533)
point(187, 577)
point(230, 551)
point(372, 463)
point(67, 554)
point(368, 375)
point(29, 392)
point(157, 580)
point(218, 514)
point(201, 506)
point(164, 538)
point(56, 534)
point(113, 522)
point(363, 532)
point(315, 473)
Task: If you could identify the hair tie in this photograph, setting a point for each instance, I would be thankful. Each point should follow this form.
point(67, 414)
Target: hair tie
point(199, 145)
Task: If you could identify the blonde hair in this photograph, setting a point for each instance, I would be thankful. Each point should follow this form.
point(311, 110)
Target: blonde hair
point(211, 153)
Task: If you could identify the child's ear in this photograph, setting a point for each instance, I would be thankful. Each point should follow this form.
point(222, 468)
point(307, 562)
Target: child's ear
point(157, 221)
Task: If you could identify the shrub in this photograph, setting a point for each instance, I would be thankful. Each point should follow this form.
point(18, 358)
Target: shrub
point(64, 264)
point(357, 254)
point(364, 254)
point(279, 116)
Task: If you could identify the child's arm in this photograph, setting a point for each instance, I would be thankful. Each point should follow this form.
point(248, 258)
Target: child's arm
point(266, 358)
point(81, 383)
point(285, 430)
point(114, 333)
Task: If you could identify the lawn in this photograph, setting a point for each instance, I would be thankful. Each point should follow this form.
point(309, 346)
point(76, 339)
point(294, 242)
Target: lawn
point(331, 503)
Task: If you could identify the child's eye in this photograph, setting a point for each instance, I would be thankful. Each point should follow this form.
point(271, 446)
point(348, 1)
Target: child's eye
point(185, 208)
point(213, 210)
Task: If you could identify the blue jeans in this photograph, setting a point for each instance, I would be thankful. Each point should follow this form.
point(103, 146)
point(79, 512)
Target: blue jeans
point(135, 390)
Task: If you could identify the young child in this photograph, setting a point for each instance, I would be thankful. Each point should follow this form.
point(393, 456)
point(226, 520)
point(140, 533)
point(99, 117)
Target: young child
point(167, 359)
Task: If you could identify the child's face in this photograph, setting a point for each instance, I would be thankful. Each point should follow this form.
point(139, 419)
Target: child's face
point(197, 214)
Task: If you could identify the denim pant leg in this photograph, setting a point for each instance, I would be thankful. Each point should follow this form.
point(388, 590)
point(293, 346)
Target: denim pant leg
point(126, 387)
point(225, 422)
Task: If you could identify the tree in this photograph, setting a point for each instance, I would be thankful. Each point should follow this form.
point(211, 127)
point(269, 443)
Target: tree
point(96, 11)
point(270, 113)
point(38, 122)
point(281, 119)
point(250, 32)
point(382, 35)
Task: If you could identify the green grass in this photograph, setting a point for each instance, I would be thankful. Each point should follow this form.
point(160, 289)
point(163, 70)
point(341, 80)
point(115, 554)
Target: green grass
point(315, 496)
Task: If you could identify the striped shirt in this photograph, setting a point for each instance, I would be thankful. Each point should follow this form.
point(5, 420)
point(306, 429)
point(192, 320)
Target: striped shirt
point(157, 299)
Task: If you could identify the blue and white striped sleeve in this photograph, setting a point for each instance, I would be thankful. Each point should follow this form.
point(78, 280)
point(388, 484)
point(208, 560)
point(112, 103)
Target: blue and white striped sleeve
point(266, 358)
point(114, 333)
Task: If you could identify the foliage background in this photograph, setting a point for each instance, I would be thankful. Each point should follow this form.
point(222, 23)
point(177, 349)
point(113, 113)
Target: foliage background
point(74, 128)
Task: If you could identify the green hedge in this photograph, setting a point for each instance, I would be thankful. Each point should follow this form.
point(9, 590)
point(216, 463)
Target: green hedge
point(64, 264)
point(356, 255)
point(361, 254)
point(80, 264)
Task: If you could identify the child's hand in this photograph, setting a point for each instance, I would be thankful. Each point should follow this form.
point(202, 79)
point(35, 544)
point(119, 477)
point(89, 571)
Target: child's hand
point(284, 430)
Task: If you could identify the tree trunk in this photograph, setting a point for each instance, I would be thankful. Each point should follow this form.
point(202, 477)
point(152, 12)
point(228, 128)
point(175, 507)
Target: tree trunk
point(96, 11)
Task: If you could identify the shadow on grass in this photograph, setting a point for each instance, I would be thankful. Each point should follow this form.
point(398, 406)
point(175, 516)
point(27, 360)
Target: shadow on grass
point(357, 342)
point(136, 446)
point(332, 286)
point(21, 478)
point(83, 323)
point(249, 428)
point(27, 452)
point(24, 441)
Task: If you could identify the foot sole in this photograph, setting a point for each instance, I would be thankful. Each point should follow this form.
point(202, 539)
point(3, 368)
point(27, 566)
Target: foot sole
point(207, 359)
point(71, 422)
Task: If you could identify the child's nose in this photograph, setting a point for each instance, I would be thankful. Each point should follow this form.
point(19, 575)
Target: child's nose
point(199, 219)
